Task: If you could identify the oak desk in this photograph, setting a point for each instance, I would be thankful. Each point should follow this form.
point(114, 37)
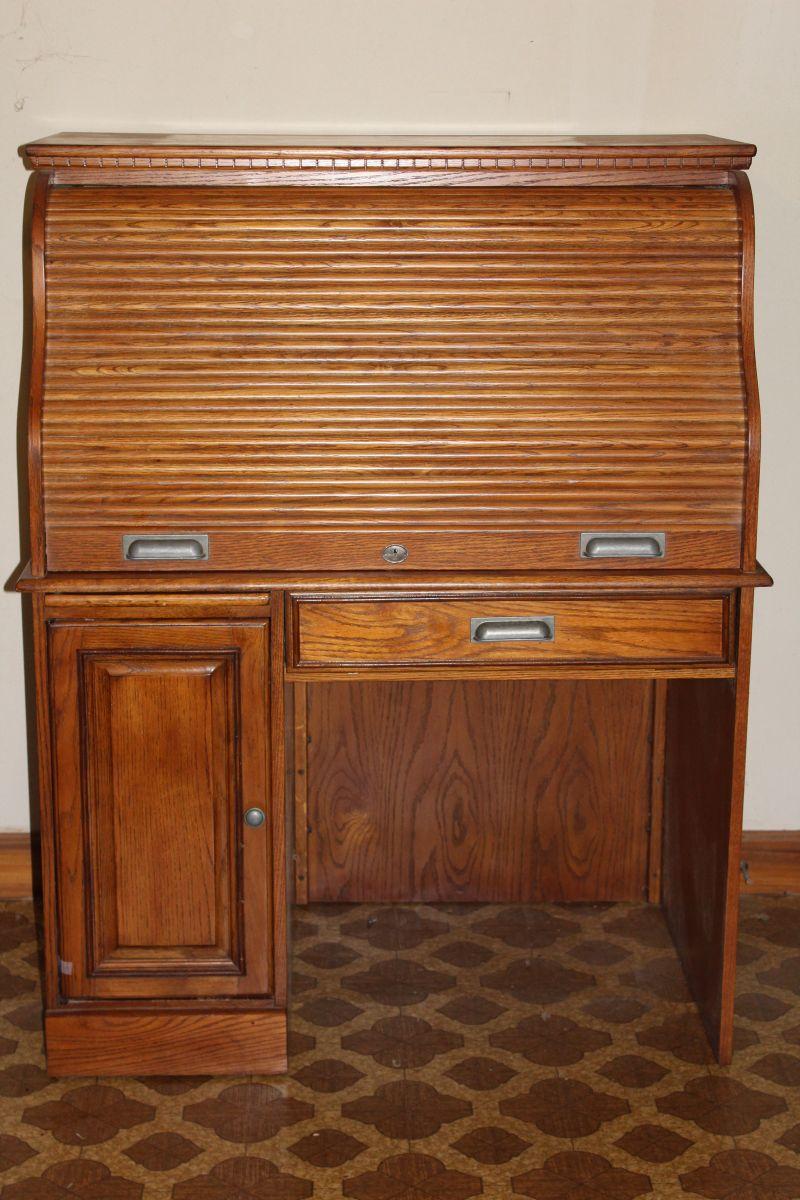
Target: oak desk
point(393, 514)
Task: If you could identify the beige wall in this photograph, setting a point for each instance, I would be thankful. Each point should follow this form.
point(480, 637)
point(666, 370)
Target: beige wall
point(728, 67)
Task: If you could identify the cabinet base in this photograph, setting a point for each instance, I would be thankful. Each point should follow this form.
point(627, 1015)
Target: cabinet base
point(174, 1042)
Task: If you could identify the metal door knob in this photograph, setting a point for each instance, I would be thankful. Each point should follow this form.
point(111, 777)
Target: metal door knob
point(254, 817)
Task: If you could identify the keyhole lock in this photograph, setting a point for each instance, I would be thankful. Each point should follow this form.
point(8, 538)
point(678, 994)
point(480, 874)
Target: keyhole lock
point(395, 553)
point(254, 817)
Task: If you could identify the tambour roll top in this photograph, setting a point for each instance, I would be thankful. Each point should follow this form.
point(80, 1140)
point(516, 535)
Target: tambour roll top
point(541, 373)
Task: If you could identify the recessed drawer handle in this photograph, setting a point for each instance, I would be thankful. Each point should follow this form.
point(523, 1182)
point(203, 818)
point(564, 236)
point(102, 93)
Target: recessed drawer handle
point(623, 545)
point(512, 629)
point(165, 547)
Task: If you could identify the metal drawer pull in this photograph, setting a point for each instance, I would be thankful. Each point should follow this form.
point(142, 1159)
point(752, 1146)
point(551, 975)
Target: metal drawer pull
point(512, 629)
point(165, 547)
point(623, 545)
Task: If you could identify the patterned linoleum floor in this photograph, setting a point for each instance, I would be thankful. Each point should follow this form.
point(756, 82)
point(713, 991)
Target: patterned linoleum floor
point(442, 1052)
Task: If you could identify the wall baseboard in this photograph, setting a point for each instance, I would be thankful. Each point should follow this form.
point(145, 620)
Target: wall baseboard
point(772, 858)
point(773, 861)
point(16, 866)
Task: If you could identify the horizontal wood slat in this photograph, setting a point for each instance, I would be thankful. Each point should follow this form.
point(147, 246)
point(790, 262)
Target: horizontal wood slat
point(401, 364)
point(770, 861)
point(16, 866)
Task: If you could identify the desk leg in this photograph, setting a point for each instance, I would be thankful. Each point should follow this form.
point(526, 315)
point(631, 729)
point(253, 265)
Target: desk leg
point(706, 726)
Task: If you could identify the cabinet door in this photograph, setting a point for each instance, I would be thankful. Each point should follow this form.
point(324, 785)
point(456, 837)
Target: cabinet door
point(160, 740)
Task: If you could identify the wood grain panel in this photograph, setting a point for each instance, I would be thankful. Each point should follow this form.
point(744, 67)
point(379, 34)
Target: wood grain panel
point(706, 735)
point(159, 778)
point(365, 156)
point(770, 860)
point(298, 790)
point(81, 585)
point(45, 785)
point(744, 200)
point(277, 921)
point(697, 817)
point(236, 550)
point(478, 791)
point(260, 161)
point(160, 735)
point(648, 175)
point(166, 1042)
point(657, 791)
point(392, 365)
point(16, 865)
point(400, 632)
point(158, 607)
point(40, 188)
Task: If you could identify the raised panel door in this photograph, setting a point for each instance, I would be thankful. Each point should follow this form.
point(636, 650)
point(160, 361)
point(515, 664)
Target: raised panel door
point(161, 746)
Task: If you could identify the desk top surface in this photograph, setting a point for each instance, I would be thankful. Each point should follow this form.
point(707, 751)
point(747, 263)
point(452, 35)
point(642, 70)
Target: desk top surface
point(542, 149)
point(549, 140)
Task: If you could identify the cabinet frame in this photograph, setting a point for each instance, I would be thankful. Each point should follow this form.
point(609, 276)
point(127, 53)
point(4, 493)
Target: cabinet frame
point(184, 1036)
point(242, 1025)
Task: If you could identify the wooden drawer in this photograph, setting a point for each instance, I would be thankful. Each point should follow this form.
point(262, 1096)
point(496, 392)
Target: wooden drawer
point(484, 630)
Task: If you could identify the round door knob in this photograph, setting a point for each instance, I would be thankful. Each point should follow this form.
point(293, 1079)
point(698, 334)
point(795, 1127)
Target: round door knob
point(395, 553)
point(254, 817)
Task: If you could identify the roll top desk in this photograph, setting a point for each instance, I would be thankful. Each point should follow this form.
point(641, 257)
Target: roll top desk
point(393, 517)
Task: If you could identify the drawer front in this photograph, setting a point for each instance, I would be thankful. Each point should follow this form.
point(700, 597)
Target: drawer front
point(388, 632)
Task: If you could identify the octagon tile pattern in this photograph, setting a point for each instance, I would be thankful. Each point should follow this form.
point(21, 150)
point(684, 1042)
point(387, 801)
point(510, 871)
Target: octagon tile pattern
point(440, 1052)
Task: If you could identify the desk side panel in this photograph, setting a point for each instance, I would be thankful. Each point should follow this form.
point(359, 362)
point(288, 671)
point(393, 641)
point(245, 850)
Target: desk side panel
point(706, 732)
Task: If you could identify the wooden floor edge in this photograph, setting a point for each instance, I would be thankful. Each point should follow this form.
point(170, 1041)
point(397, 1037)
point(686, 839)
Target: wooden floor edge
point(770, 862)
point(16, 866)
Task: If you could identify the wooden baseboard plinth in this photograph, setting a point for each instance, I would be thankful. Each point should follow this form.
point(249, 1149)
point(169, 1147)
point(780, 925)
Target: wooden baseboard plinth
point(16, 866)
point(187, 1042)
point(772, 858)
point(771, 861)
